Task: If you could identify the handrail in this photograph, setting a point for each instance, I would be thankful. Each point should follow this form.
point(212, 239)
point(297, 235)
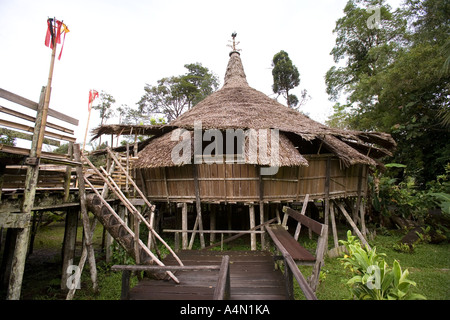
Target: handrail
point(222, 290)
point(111, 184)
point(292, 266)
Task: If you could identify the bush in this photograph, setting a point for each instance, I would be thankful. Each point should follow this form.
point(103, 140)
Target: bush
point(373, 279)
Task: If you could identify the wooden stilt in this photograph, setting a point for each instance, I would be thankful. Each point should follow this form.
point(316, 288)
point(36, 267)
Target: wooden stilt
point(85, 218)
point(212, 224)
point(362, 211)
point(299, 225)
point(352, 223)
point(198, 206)
point(333, 225)
point(184, 226)
point(252, 225)
point(70, 237)
point(261, 219)
point(23, 234)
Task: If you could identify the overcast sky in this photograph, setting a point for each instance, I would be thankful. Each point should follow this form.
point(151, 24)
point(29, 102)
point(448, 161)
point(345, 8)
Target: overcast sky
point(119, 46)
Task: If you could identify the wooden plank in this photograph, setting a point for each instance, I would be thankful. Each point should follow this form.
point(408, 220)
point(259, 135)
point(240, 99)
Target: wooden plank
point(252, 277)
point(26, 136)
point(34, 106)
point(33, 119)
point(23, 127)
point(308, 222)
point(294, 248)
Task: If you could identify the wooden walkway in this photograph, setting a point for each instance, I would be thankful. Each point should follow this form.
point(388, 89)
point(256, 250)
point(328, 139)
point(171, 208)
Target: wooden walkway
point(252, 277)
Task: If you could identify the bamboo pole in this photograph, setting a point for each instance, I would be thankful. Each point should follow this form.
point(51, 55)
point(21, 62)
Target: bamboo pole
point(46, 101)
point(87, 126)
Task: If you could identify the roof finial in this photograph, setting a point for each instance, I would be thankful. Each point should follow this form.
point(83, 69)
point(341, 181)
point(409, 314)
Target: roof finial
point(233, 46)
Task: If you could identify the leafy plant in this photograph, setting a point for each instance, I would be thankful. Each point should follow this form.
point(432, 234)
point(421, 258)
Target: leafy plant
point(373, 279)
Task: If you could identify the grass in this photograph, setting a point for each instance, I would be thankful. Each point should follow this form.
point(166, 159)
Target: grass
point(429, 267)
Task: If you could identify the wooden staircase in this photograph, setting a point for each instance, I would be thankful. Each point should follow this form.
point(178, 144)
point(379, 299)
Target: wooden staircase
point(115, 225)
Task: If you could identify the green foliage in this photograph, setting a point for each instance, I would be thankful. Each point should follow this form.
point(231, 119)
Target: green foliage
point(405, 198)
point(7, 139)
point(174, 95)
point(285, 77)
point(105, 107)
point(396, 79)
point(373, 279)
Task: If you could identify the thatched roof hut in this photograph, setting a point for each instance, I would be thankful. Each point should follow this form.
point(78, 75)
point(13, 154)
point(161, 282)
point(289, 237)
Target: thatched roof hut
point(238, 106)
point(310, 160)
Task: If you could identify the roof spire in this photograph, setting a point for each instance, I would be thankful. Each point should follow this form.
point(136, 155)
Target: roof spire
point(235, 75)
point(234, 43)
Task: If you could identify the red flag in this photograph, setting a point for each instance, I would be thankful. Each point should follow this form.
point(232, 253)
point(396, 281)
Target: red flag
point(92, 95)
point(53, 36)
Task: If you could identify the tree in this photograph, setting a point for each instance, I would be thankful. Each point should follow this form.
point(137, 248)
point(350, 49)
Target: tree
point(393, 80)
point(174, 95)
point(105, 107)
point(285, 77)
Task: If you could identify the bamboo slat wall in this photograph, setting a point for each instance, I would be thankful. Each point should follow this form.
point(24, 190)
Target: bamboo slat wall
point(241, 182)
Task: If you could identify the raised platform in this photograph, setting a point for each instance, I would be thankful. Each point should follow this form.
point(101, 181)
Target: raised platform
point(252, 277)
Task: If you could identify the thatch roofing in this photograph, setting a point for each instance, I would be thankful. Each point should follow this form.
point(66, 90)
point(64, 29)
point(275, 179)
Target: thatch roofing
point(127, 129)
point(238, 106)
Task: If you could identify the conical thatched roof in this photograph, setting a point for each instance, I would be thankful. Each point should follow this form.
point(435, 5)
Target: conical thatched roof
point(238, 106)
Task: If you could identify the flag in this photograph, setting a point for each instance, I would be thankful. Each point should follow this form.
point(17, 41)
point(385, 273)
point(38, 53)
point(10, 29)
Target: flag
point(92, 95)
point(55, 29)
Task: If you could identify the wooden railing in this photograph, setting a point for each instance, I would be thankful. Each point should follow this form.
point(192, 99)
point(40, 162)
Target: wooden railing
point(291, 269)
point(221, 292)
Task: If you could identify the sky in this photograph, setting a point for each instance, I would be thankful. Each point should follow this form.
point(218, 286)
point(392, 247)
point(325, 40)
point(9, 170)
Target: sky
point(120, 46)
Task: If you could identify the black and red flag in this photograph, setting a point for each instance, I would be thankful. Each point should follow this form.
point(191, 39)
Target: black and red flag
point(55, 29)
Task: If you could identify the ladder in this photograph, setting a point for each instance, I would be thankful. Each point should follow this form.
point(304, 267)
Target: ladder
point(116, 226)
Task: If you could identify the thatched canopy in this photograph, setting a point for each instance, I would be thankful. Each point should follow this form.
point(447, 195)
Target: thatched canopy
point(128, 129)
point(238, 106)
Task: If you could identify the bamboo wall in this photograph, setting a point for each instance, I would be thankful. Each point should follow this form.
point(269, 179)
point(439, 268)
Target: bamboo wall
point(242, 182)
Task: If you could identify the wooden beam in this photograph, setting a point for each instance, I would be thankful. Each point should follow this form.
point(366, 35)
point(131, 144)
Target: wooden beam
point(23, 234)
point(184, 226)
point(352, 223)
point(252, 225)
point(33, 119)
point(333, 225)
point(34, 106)
point(198, 206)
point(23, 127)
point(26, 136)
point(308, 222)
point(85, 218)
point(299, 225)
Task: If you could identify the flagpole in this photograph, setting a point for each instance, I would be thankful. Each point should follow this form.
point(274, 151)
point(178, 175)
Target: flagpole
point(87, 126)
point(46, 100)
